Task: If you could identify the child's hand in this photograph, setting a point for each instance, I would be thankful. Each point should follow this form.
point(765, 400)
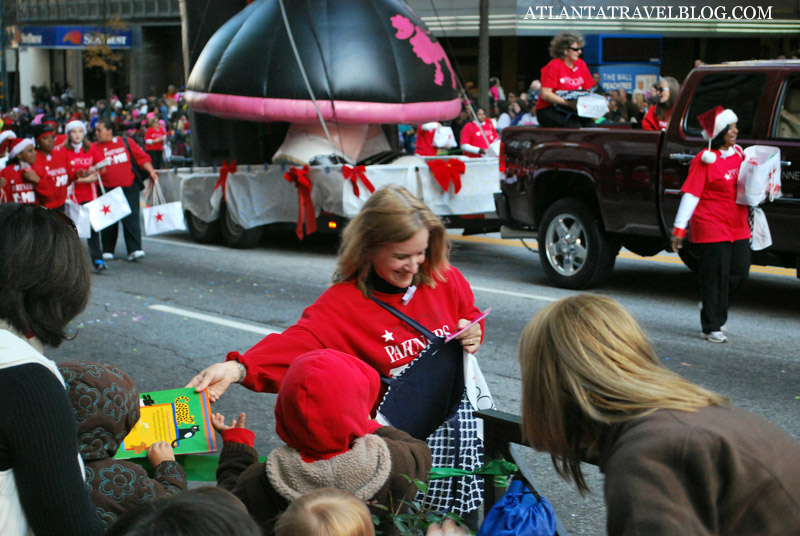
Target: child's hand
point(218, 420)
point(160, 451)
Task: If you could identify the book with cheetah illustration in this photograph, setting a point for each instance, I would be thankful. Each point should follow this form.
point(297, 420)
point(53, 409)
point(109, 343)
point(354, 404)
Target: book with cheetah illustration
point(181, 417)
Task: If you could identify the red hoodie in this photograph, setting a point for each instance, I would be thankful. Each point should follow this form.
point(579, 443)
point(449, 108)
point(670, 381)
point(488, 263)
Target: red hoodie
point(324, 403)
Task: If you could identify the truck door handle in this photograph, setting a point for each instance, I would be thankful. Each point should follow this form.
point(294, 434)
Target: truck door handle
point(680, 157)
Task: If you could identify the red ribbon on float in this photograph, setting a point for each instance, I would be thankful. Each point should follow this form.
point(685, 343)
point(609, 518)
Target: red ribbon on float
point(305, 213)
point(447, 172)
point(223, 175)
point(355, 174)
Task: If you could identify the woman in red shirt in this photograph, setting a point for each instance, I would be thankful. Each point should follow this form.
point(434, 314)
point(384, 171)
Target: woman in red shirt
point(52, 165)
point(657, 117)
point(117, 170)
point(720, 231)
point(20, 182)
point(473, 142)
point(154, 138)
point(82, 158)
point(566, 71)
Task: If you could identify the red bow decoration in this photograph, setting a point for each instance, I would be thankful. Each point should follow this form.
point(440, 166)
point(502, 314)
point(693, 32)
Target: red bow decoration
point(223, 175)
point(354, 174)
point(447, 172)
point(299, 177)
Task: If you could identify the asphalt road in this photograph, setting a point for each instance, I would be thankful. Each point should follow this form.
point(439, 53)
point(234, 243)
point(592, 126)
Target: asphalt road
point(184, 306)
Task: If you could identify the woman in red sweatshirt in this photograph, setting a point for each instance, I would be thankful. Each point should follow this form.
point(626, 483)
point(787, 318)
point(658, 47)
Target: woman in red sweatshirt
point(116, 170)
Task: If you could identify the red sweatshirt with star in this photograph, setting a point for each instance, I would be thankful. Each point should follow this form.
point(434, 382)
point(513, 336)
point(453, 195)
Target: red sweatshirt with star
point(343, 319)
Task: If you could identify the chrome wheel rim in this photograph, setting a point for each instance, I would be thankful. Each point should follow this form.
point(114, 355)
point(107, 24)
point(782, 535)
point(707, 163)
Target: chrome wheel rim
point(565, 244)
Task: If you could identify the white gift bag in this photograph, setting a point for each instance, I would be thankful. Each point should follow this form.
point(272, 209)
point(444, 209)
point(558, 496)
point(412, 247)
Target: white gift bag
point(762, 238)
point(592, 106)
point(444, 138)
point(108, 209)
point(162, 217)
point(80, 216)
point(759, 175)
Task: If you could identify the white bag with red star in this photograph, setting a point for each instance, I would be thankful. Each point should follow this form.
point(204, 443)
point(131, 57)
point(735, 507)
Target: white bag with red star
point(108, 209)
point(160, 216)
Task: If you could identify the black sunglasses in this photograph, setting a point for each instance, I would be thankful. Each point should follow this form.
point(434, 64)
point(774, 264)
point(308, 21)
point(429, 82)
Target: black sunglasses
point(576, 49)
point(660, 89)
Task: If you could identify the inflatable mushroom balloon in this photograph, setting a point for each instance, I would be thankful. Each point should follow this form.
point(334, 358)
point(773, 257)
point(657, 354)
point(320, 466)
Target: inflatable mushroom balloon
point(366, 62)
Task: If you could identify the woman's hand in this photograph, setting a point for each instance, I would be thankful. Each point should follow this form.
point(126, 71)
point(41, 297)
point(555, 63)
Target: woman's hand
point(677, 243)
point(216, 378)
point(30, 176)
point(471, 339)
point(160, 451)
point(218, 420)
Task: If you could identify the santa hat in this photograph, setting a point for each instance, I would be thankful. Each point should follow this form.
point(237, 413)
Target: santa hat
point(18, 145)
point(5, 139)
point(713, 122)
point(76, 123)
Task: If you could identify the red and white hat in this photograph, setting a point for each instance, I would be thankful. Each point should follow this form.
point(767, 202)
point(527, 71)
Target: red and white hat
point(5, 139)
point(713, 122)
point(18, 145)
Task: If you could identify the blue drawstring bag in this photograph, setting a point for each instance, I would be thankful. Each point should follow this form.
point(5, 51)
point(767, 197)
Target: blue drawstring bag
point(520, 512)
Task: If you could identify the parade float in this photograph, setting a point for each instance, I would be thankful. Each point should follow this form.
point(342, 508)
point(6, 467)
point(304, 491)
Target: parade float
point(333, 79)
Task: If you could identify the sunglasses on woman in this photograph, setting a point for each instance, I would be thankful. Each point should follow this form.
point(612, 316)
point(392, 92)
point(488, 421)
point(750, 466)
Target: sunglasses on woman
point(662, 89)
point(576, 49)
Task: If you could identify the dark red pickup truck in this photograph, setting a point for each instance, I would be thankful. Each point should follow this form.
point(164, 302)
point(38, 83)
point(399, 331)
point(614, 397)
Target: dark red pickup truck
point(584, 193)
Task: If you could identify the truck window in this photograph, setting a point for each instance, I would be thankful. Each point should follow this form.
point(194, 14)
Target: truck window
point(788, 126)
point(741, 92)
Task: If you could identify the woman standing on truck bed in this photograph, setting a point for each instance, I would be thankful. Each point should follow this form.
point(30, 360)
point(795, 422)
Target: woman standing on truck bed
point(657, 117)
point(565, 72)
point(720, 232)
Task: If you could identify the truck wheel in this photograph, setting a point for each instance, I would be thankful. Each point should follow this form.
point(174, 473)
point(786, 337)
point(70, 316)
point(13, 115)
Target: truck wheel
point(574, 249)
point(202, 231)
point(235, 235)
point(689, 256)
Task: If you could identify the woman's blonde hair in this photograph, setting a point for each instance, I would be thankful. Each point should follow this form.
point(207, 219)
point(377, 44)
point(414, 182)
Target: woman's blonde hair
point(391, 215)
point(326, 512)
point(587, 364)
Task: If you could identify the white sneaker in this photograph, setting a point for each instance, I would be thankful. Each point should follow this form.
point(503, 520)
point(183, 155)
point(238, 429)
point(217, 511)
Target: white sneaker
point(136, 255)
point(715, 336)
point(108, 256)
point(724, 328)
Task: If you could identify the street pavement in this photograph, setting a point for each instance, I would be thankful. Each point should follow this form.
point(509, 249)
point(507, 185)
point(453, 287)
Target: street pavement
point(185, 305)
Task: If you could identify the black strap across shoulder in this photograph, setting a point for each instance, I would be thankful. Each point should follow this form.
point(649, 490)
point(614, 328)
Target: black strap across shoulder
point(408, 320)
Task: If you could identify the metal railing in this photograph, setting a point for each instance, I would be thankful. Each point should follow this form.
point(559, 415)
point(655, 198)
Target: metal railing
point(81, 11)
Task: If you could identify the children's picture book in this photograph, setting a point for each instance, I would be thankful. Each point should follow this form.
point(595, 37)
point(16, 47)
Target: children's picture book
point(181, 417)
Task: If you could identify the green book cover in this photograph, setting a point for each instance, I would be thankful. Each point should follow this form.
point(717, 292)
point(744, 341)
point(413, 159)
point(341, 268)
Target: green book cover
point(181, 417)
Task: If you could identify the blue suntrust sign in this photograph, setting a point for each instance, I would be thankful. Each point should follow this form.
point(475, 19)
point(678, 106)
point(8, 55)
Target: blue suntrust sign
point(71, 37)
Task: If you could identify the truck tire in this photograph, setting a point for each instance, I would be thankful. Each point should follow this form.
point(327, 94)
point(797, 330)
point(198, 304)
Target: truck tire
point(575, 251)
point(234, 234)
point(689, 256)
point(202, 231)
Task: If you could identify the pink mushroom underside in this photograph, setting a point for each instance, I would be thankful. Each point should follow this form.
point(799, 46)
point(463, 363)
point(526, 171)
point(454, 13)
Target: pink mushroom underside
point(303, 111)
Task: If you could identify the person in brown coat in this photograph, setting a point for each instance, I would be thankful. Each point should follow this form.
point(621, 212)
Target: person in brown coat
point(678, 459)
point(106, 405)
point(322, 414)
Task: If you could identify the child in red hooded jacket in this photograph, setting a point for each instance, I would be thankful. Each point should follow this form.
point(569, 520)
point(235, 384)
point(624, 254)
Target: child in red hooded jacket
point(323, 414)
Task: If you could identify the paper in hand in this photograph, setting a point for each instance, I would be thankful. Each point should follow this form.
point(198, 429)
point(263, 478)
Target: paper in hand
point(465, 328)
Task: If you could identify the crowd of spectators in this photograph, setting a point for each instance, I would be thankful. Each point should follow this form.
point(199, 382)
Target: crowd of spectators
point(130, 115)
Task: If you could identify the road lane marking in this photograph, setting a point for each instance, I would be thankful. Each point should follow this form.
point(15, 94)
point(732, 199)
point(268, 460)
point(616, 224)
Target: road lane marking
point(663, 258)
point(515, 294)
point(180, 243)
point(214, 319)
